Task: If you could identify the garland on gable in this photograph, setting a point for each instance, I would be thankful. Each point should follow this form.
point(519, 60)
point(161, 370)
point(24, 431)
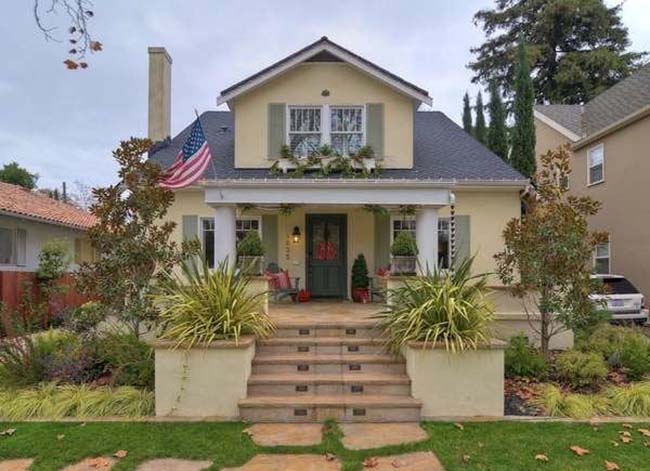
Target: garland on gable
point(324, 161)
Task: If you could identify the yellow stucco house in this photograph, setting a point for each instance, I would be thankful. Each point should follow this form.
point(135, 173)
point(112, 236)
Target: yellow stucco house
point(321, 95)
point(314, 217)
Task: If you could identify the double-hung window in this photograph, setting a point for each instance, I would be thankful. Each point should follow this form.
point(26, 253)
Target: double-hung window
point(13, 246)
point(242, 226)
point(596, 165)
point(245, 225)
point(601, 259)
point(346, 129)
point(444, 237)
point(305, 129)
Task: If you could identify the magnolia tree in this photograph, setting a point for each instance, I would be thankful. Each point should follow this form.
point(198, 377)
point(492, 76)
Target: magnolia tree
point(549, 251)
point(131, 239)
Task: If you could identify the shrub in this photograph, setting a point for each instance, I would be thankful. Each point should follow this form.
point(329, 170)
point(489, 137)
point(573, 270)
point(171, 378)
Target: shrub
point(360, 273)
point(606, 340)
point(49, 401)
point(199, 306)
point(523, 359)
point(577, 406)
point(445, 307)
point(404, 245)
point(53, 260)
point(635, 356)
point(251, 245)
point(86, 318)
point(580, 368)
point(127, 358)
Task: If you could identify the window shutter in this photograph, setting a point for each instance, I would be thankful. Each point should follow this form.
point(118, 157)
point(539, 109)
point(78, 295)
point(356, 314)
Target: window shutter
point(20, 247)
point(270, 238)
point(277, 131)
point(375, 128)
point(382, 240)
point(463, 238)
point(190, 227)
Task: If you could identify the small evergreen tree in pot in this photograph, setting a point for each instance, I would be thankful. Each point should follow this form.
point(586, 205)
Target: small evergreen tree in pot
point(250, 253)
point(360, 280)
point(404, 251)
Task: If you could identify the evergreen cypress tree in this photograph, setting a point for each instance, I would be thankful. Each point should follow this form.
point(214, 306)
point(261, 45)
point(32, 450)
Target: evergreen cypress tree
point(497, 132)
point(480, 131)
point(467, 114)
point(523, 134)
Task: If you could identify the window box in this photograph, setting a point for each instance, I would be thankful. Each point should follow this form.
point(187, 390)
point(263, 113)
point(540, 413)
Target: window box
point(251, 264)
point(285, 165)
point(404, 265)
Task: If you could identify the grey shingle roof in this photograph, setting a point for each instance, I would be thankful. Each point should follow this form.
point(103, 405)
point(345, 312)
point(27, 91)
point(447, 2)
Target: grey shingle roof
point(614, 104)
point(442, 150)
point(618, 102)
point(569, 116)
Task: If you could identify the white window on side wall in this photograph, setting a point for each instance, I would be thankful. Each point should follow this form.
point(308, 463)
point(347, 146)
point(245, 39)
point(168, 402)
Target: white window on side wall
point(602, 259)
point(346, 129)
point(444, 237)
point(305, 129)
point(245, 225)
point(13, 246)
point(596, 165)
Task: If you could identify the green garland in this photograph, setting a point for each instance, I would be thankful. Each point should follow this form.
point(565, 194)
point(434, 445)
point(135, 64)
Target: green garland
point(338, 164)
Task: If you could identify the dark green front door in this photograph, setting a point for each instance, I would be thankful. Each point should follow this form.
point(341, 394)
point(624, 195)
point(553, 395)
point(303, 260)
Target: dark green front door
point(326, 255)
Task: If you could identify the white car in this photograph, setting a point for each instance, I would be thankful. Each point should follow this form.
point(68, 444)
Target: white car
point(621, 299)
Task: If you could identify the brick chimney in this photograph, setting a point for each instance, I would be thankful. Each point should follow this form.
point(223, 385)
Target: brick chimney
point(160, 100)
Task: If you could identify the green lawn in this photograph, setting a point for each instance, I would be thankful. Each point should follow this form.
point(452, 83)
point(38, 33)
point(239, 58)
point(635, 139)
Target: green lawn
point(496, 446)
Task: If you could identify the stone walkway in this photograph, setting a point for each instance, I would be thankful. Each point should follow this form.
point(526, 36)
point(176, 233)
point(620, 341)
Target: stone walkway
point(365, 436)
point(289, 463)
point(286, 434)
point(15, 465)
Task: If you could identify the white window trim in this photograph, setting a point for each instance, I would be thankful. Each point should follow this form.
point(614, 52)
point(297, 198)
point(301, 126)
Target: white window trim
point(589, 166)
point(251, 218)
point(15, 249)
point(402, 218)
point(609, 258)
point(325, 121)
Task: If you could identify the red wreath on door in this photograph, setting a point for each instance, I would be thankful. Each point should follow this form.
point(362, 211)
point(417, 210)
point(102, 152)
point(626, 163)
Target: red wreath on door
point(326, 251)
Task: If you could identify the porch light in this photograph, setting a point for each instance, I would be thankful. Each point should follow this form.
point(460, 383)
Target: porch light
point(295, 235)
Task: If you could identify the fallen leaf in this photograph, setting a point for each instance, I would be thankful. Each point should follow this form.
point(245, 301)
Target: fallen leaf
point(626, 439)
point(98, 463)
point(646, 444)
point(120, 454)
point(399, 463)
point(627, 426)
point(541, 457)
point(625, 433)
point(611, 466)
point(247, 432)
point(370, 462)
point(578, 450)
point(459, 426)
point(60, 437)
point(481, 444)
point(614, 443)
point(644, 431)
point(466, 459)
point(329, 457)
point(82, 424)
point(7, 432)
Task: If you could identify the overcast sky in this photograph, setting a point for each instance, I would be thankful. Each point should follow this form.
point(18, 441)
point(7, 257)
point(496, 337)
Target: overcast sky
point(64, 124)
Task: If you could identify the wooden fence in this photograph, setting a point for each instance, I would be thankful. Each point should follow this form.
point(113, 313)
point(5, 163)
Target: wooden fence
point(15, 287)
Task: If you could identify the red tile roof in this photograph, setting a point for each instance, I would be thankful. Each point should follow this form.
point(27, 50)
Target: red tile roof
point(18, 201)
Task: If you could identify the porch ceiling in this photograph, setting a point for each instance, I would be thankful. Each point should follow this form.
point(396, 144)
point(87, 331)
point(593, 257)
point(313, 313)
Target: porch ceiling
point(338, 193)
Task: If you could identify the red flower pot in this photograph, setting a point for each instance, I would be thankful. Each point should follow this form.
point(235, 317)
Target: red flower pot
point(360, 295)
point(304, 296)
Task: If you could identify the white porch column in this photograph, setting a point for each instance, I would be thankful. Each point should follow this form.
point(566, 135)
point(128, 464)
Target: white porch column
point(225, 240)
point(426, 238)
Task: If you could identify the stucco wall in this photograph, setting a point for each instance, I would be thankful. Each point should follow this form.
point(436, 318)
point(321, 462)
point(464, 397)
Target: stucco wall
point(625, 195)
point(547, 139)
point(303, 86)
point(37, 235)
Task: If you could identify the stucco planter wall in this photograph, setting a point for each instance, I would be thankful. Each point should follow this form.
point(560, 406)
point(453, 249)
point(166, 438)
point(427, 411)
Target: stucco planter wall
point(465, 384)
point(202, 382)
point(259, 284)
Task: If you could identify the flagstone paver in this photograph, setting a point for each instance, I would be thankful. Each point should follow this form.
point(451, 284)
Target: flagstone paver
point(15, 465)
point(289, 463)
point(364, 436)
point(92, 464)
point(421, 461)
point(286, 434)
point(173, 465)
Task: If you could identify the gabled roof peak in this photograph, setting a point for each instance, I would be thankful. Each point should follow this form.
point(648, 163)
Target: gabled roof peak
point(324, 44)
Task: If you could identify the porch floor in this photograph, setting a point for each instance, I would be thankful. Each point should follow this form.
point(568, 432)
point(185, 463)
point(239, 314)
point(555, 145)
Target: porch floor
point(324, 313)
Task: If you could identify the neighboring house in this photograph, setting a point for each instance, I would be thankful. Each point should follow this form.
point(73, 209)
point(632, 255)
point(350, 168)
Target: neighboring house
point(325, 94)
point(28, 220)
point(610, 141)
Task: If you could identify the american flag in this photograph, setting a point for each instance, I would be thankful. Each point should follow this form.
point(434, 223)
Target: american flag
point(190, 162)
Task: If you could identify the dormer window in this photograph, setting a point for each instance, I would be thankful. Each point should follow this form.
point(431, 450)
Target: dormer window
point(343, 129)
point(304, 129)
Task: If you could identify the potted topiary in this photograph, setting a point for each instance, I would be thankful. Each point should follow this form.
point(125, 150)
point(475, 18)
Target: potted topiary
point(404, 251)
point(250, 253)
point(360, 280)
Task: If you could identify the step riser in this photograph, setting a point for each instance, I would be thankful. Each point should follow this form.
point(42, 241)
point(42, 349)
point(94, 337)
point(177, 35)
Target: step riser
point(320, 349)
point(342, 332)
point(328, 389)
point(320, 414)
point(380, 368)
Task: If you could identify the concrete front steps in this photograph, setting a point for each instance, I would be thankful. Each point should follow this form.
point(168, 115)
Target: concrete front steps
point(312, 371)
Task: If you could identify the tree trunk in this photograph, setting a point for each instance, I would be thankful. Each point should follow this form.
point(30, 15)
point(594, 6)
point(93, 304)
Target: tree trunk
point(544, 333)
